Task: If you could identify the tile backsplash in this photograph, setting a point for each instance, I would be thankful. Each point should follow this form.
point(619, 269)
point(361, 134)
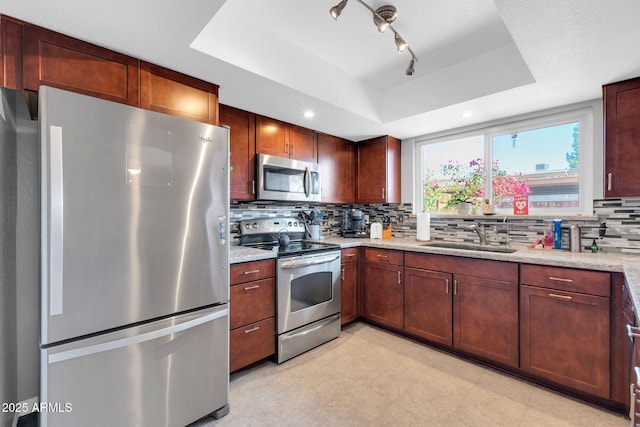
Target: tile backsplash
point(621, 216)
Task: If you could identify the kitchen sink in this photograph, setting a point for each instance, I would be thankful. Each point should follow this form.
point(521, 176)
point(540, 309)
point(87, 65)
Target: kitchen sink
point(470, 247)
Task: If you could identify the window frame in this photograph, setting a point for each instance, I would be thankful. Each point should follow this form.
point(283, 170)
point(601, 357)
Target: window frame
point(583, 115)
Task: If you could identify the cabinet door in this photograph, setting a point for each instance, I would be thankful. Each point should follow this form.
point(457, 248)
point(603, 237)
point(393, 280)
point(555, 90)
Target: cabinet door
point(60, 61)
point(378, 171)
point(11, 53)
point(251, 343)
point(242, 145)
point(272, 137)
point(383, 295)
point(486, 318)
point(622, 132)
point(170, 92)
point(303, 144)
point(428, 305)
point(349, 293)
point(565, 338)
point(251, 302)
point(337, 162)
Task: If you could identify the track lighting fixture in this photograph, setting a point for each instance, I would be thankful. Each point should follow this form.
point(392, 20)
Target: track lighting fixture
point(382, 18)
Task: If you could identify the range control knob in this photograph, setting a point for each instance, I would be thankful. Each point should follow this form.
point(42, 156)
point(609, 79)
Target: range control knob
point(255, 225)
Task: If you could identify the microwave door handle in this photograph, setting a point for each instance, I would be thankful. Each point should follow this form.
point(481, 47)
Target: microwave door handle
point(307, 182)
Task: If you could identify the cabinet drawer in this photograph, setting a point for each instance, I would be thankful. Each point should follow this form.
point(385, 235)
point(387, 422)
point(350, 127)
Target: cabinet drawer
point(251, 302)
point(383, 256)
point(349, 255)
point(251, 343)
point(250, 271)
point(566, 279)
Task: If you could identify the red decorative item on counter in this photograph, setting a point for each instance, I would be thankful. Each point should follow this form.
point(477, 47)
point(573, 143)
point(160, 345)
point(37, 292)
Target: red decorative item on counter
point(521, 205)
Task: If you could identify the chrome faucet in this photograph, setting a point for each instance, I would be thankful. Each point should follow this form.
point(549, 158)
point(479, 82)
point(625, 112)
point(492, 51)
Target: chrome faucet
point(479, 228)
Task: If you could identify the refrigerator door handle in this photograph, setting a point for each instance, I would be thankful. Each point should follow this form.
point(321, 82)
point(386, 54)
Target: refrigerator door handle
point(136, 339)
point(56, 216)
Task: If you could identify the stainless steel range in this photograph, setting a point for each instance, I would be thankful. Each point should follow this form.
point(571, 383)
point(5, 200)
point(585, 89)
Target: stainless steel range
point(307, 284)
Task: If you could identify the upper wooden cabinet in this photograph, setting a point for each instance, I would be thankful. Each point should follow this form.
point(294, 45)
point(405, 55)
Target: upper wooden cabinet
point(378, 171)
point(621, 135)
point(243, 151)
point(170, 92)
point(33, 56)
point(56, 60)
point(285, 140)
point(337, 158)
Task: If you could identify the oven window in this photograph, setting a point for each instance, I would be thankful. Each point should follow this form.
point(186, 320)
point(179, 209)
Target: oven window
point(311, 289)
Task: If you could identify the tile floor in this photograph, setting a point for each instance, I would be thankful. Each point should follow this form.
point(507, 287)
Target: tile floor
point(369, 377)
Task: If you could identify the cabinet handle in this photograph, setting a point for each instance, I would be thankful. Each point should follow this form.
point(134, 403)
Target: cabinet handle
point(342, 274)
point(446, 289)
point(248, 288)
point(632, 406)
point(633, 332)
point(253, 187)
point(349, 255)
point(455, 286)
point(293, 147)
point(383, 194)
point(247, 331)
point(286, 148)
point(252, 271)
point(383, 257)
point(399, 278)
point(564, 297)
point(609, 176)
point(560, 279)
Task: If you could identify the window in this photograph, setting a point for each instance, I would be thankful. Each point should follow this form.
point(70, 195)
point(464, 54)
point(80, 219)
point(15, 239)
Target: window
point(537, 160)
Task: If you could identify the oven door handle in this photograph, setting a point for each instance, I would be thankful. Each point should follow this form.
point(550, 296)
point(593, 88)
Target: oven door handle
point(305, 263)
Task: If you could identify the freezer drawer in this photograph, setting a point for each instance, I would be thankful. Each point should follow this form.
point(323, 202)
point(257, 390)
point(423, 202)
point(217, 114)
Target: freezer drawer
point(167, 373)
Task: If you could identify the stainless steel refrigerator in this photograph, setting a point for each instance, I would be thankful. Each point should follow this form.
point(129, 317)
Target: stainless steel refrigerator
point(134, 265)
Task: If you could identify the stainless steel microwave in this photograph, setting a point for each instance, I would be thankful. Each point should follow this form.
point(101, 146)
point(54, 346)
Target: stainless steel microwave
point(280, 178)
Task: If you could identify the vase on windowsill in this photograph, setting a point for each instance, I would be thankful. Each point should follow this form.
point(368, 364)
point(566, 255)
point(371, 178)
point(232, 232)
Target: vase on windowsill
point(464, 208)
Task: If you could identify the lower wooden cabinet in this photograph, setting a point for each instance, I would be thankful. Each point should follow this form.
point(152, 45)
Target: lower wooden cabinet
point(382, 293)
point(349, 286)
point(486, 318)
point(252, 313)
point(428, 305)
point(475, 314)
point(251, 343)
point(564, 334)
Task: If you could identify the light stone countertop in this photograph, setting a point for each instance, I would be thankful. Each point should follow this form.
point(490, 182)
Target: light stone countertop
point(611, 262)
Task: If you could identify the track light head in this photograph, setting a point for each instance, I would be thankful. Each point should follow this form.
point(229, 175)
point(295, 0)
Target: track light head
point(336, 10)
point(400, 43)
point(412, 63)
point(380, 23)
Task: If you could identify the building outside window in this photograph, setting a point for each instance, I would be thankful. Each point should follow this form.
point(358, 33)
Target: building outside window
point(545, 161)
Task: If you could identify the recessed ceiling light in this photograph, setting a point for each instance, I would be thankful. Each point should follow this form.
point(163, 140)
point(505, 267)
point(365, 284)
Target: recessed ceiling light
point(466, 114)
point(308, 114)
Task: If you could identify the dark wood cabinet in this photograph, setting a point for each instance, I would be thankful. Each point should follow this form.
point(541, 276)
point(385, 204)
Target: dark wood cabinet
point(56, 60)
point(565, 327)
point(282, 139)
point(621, 103)
point(251, 313)
point(170, 92)
point(382, 290)
point(470, 304)
point(428, 305)
point(337, 159)
point(349, 285)
point(486, 317)
point(242, 146)
point(378, 170)
point(33, 56)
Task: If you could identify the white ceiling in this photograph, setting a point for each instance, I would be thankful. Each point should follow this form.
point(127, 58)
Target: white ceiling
point(279, 58)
